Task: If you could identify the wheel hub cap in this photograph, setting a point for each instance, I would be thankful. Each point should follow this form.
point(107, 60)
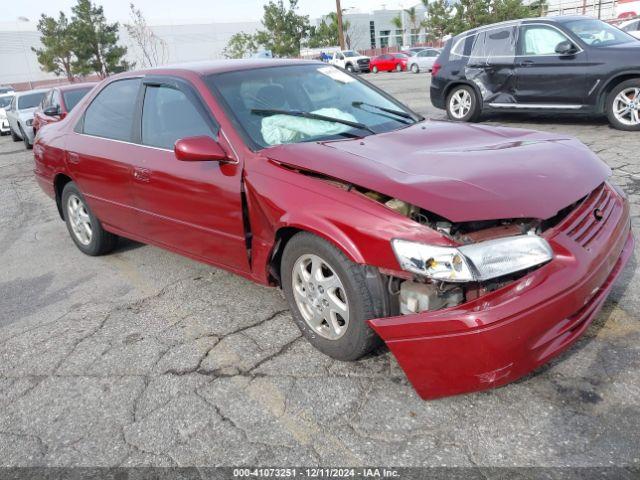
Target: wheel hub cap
point(79, 220)
point(320, 296)
point(626, 106)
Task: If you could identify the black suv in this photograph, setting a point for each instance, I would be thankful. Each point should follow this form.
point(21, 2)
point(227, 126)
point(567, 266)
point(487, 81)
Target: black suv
point(560, 64)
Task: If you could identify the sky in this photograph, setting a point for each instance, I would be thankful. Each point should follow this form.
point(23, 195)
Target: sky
point(187, 11)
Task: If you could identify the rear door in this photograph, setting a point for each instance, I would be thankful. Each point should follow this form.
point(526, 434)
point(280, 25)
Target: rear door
point(100, 154)
point(192, 207)
point(546, 79)
point(426, 59)
point(491, 64)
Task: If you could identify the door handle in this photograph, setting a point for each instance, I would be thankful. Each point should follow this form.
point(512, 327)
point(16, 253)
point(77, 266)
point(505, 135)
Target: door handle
point(142, 174)
point(526, 63)
point(73, 158)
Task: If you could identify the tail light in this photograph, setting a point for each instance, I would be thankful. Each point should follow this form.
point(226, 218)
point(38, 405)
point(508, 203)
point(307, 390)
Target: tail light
point(435, 69)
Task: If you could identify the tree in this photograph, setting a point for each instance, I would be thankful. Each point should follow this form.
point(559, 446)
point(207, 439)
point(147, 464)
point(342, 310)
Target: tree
point(56, 56)
point(325, 34)
point(95, 41)
point(240, 45)
point(284, 28)
point(439, 19)
point(399, 24)
point(153, 49)
point(415, 24)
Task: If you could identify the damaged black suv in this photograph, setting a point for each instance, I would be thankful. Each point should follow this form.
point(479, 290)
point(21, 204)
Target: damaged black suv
point(567, 64)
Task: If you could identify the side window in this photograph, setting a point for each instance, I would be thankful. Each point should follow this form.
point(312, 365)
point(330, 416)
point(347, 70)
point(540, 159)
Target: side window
point(168, 115)
point(540, 40)
point(432, 53)
point(496, 45)
point(110, 114)
point(462, 47)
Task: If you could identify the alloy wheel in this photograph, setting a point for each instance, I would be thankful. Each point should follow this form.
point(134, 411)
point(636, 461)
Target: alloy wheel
point(460, 103)
point(79, 220)
point(320, 296)
point(626, 106)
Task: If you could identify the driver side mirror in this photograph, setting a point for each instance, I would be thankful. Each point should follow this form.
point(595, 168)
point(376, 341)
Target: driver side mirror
point(52, 111)
point(566, 48)
point(199, 149)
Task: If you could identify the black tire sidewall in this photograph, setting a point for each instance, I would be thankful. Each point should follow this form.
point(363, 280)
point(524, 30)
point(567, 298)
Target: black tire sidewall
point(609, 106)
point(415, 68)
point(101, 241)
point(473, 113)
point(359, 339)
point(375, 69)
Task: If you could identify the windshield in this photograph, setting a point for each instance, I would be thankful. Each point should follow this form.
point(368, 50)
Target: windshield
point(6, 90)
point(72, 97)
point(256, 100)
point(598, 34)
point(5, 101)
point(30, 100)
point(351, 53)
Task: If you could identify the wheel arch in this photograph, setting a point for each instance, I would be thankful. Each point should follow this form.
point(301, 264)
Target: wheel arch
point(59, 182)
point(612, 83)
point(457, 83)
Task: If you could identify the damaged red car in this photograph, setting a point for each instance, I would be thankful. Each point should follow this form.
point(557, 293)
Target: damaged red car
point(475, 253)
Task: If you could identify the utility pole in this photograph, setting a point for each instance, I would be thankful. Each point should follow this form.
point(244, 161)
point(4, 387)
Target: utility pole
point(340, 29)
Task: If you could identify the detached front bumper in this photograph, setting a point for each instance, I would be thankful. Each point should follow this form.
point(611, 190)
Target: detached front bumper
point(502, 336)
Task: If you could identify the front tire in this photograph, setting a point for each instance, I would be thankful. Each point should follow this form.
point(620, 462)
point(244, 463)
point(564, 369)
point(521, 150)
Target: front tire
point(85, 229)
point(623, 106)
point(415, 68)
point(25, 139)
point(349, 68)
point(329, 297)
point(462, 104)
point(375, 69)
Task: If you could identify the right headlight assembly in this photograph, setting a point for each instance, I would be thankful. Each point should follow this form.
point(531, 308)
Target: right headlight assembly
point(475, 262)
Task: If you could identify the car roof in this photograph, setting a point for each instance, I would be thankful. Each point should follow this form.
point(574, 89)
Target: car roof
point(75, 86)
point(209, 67)
point(29, 92)
point(550, 20)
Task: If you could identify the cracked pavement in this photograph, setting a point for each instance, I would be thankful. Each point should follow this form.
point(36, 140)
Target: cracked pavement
point(146, 358)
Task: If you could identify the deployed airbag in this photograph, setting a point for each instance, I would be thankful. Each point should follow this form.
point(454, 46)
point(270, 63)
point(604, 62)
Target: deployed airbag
point(278, 129)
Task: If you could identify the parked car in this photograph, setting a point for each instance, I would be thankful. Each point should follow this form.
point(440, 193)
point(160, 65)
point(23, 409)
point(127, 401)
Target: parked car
point(561, 64)
point(389, 62)
point(5, 102)
point(632, 27)
point(58, 102)
point(351, 61)
point(20, 115)
point(423, 61)
point(413, 50)
point(475, 253)
point(4, 89)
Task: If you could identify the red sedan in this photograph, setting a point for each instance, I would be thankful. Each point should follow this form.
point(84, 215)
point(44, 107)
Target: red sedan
point(390, 62)
point(476, 253)
point(58, 102)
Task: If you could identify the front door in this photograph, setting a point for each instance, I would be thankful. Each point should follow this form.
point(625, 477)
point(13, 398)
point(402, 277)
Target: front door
point(191, 207)
point(545, 78)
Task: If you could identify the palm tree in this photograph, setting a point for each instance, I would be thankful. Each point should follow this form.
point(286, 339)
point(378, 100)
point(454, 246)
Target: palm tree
point(399, 24)
point(415, 25)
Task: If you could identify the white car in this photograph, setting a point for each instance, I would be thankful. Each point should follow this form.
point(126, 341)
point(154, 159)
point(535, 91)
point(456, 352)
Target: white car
point(632, 27)
point(350, 60)
point(5, 101)
point(20, 115)
point(423, 60)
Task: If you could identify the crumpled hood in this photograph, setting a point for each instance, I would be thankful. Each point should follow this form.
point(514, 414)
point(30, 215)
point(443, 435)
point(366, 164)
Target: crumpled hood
point(462, 172)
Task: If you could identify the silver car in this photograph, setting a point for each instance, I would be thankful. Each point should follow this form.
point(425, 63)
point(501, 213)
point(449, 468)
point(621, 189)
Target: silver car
point(20, 115)
point(5, 101)
point(423, 61)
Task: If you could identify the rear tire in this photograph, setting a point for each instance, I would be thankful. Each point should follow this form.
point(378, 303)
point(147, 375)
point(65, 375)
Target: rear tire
point(415, 68)
point(462, 104)
point(25, 139)
point(375, 69)
point(398, 68)
point(84, 227)
point(308, 264)
point(623, 106)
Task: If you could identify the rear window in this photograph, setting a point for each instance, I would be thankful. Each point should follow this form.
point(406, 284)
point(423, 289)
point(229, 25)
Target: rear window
point(72, 97)
point(30, 100)
point(5, 102)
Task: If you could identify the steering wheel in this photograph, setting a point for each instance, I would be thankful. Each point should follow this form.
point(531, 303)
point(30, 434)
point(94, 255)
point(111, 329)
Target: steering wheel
point(596, 41)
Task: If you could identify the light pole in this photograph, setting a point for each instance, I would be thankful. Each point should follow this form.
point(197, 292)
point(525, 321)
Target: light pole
point(24, 48)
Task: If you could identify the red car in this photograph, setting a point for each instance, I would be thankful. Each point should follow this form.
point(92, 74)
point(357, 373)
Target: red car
point(58, 102)
point(476, 253)
point(390, 62)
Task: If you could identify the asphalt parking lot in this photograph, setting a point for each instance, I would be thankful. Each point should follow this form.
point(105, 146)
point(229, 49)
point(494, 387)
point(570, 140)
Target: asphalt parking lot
point(144, 357)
